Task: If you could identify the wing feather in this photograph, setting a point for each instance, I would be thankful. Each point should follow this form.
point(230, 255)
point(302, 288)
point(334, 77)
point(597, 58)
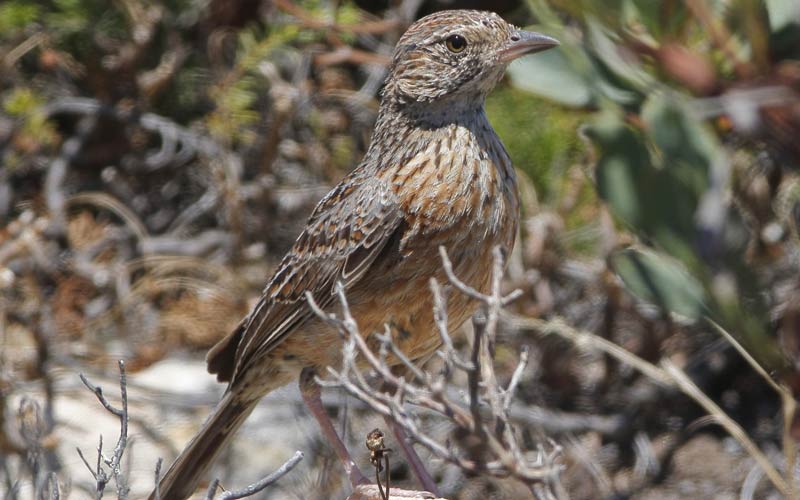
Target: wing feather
point(346, 232)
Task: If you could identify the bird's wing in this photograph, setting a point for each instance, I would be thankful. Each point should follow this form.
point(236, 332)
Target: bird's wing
point(343, 236)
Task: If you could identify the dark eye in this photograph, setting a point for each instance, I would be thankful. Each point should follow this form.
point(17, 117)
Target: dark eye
point(456, 43)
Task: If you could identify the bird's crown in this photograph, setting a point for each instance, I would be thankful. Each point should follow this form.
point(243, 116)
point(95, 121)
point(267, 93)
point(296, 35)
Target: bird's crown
point(456, 53)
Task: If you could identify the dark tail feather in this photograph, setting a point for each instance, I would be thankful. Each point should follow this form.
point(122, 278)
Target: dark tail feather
point(191, 466)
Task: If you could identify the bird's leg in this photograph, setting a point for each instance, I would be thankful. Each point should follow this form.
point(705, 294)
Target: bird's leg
point(411, 455)
point(309, 389)
point(362, 489)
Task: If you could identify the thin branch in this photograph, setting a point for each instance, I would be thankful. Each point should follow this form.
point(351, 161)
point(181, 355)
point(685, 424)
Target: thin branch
point(668, 375)
point(263, 483)
point(440, 317)
point(498, 453)
point(113, 463)
point(52, 482)
point(690, 389)
point(157, 489)
point(747, 357)
point(508, 394)
point(586, 339)
point(788, 406)
point(212, 489)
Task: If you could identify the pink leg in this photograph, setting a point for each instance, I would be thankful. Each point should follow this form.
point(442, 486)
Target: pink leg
point(413, 459)
point(311, 397)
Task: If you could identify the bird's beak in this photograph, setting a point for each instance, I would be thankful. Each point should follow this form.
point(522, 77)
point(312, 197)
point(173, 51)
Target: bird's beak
point(525, 42)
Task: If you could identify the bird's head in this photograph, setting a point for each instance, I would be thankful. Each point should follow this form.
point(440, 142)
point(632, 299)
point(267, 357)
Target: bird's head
point(456, 55)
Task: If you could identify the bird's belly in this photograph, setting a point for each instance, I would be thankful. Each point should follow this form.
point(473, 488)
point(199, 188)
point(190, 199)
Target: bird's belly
point(400, 298)
point(396, 295)
point(395, 292)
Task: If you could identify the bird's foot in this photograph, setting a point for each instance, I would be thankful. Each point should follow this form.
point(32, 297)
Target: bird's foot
point(372, 492)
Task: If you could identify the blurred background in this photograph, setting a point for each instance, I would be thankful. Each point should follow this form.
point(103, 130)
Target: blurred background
point(158, 158)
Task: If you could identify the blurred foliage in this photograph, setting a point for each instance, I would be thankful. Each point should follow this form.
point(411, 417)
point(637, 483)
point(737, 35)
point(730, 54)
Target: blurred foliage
point(645, 73)
point(17, 14)
point(157, 158)
point(236, 95)
point(539, 136)
point(35, 130)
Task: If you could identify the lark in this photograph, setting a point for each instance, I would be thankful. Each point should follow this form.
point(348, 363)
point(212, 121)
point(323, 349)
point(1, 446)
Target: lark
point(435, 174)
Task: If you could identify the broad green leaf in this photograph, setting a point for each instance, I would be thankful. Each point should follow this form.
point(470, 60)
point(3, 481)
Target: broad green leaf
point(552, 76)
point(622, 168)
point(660, 280)
point(539, 135)
point(680, 136)
point(782, 13)
point(658, 203)
point(607, 48)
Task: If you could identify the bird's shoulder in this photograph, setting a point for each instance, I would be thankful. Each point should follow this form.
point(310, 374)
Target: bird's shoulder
point(341, 237)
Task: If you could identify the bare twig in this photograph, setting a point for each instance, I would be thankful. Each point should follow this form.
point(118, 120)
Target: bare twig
point(157, 488)
point(52, 484)
point(690, 389)
point(587, 340)
point(788, 407)
point(114, 462)
point(258, 486)
point(498, 453)
point(448, 354)
point(668, 374)
point(508, 394)
point(212, 489)
point(57, 173)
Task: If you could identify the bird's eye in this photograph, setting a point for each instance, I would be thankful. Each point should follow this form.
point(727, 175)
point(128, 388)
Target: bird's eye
point(456, 43)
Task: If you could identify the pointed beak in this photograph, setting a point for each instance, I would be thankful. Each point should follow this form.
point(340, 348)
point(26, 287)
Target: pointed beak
point(525, 42)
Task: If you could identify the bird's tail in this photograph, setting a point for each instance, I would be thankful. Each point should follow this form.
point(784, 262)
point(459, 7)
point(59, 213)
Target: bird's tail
point(191, 466)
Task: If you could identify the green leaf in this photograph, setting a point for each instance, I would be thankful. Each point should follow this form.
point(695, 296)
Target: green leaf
point(623, 169)
point(552, 76)
point(660, 280)
point(655, 180)
point(539, 136)
point(782, 13)
point(680, 136)
point(21, 101)
point(663, 20)
point(606, 46)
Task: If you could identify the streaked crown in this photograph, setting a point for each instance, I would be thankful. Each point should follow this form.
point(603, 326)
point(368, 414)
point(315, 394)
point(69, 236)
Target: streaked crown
point(456, 53)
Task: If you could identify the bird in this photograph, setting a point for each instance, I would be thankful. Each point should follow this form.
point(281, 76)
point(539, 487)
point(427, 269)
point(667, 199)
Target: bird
point(435, 174)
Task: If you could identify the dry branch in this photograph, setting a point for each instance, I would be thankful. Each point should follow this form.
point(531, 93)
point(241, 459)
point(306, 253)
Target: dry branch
point(668, 374)
point(497, 451)
point(259, 485)
point(114, 462)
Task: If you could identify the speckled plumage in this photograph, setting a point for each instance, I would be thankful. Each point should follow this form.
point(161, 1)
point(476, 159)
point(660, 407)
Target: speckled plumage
point(435, 174)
